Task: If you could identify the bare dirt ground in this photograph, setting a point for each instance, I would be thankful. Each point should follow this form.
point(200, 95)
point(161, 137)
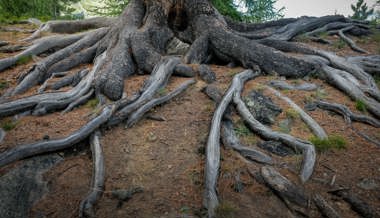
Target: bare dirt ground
point(166, 158)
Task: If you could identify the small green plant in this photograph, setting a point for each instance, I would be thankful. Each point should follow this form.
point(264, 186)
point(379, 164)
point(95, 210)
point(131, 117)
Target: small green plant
point(320, 94)
point(339, 44)
point(323, 35)
point(225, 210)
point(242, 130)
point(360, 106)
point(163, 91)
point(332, 142)
point(92, 103)
point(291, 113)
point(302, 38)
point(8, 125)
point(3, 84)
point(24, 60)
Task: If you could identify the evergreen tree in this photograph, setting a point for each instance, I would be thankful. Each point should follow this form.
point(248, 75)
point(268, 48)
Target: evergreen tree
point(361, 11)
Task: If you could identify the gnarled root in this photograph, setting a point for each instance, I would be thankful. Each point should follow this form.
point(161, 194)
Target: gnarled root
point(87, 205)
point(213, 147)
point(28, 150)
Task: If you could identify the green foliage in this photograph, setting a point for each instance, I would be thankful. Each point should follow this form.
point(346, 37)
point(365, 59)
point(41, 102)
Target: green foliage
point(162, 91)
point(360, 106)
point(261, 10)
point(291, 113)
point(24, 59)
point(92, 103)
point(361, 10)
point(42, 9)
point(339, 44)
point(242, 130)
point(245, 10)
point(332, 142)
point(249, 10)
point(8, 125)
point(108, 7)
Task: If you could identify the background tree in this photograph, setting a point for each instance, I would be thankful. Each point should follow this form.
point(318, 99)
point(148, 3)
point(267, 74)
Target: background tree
point(239, 10)
point(361, 10)
point(45, 9)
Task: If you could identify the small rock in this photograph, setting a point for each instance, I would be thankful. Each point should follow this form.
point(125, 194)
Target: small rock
point(232, 64)
point(310, 106)
point(206, 74)
point(262, 107)
point(184, 71)
point(152, 137)
point(276, 147)
point(124, 195)
point(368, 184)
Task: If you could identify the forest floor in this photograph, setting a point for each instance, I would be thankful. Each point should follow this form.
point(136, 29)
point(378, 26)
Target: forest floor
point(166, 159)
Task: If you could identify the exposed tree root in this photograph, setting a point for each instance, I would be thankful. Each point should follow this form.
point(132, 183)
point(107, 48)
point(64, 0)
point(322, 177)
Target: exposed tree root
point(45, 84)
point(97, 187)
point(279, 84)
point(40, 72)
point(347, 114)
point(287, 191)
point(305, 146)
point(28, 150)
point(137, 42)
point(71, 80)
point(349, 41)
point(356, 203)
point(157, 80)
point(40, 46)
point(230, 140)
point(136, 116)
point(64, 26)
point(213, 147)
point(326, 209)
point(310, 122)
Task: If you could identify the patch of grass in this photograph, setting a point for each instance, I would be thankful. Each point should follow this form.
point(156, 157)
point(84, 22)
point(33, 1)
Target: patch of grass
point(302, 38)
point(245, 134)
point(242, 130)
point(225, 210)
point(292, 114)
point(92, 103)
point(24, 60)
point(360, 106)
point(320, 94)
point(332, 142)
point(339, 44)
point(163, 91)
point(3, 84)
point(323, 35)
point(8, 125)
